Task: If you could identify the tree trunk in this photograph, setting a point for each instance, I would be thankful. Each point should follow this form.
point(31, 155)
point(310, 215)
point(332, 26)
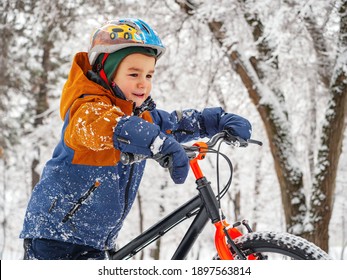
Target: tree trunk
point(331, 146)
point(328, 159)
point(40, 91)
point(275, 119)
point(289, 177)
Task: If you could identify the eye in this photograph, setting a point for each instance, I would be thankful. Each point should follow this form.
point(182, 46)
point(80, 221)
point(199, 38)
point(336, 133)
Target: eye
point(149, 76)
point(133, 75)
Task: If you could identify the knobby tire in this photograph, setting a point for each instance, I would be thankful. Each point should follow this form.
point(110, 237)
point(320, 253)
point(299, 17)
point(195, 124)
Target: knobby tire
point(278, 245)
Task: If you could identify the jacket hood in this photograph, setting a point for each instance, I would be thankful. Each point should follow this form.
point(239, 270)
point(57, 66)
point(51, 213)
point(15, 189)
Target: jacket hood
point(78, 84)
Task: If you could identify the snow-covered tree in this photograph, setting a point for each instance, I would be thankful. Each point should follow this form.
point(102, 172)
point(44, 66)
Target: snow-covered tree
point(281, 64)
point(261, 42)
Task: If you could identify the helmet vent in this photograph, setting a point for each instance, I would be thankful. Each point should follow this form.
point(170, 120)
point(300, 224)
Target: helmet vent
point(145, 28)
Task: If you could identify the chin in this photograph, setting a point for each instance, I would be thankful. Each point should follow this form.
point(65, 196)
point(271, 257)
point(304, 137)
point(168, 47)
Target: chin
point(138, 104)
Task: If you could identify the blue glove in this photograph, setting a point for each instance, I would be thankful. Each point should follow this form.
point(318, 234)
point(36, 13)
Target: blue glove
point(214, 120)
point(236, 125)
point(137, 136)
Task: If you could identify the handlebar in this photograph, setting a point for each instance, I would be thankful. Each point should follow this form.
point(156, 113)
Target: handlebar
point(129, 158)
point(165, 161)
point(230, 140)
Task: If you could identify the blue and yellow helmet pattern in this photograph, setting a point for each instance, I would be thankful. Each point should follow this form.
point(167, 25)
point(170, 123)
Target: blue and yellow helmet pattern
point(122, 33)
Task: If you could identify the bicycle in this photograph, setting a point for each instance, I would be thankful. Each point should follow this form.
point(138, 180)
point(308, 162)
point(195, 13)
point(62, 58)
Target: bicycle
point(230, 242)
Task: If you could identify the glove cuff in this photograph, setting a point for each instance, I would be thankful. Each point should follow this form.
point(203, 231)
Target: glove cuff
point(135, 135)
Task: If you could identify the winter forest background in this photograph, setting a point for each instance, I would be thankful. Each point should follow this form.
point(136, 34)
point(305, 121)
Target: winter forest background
point(279, 63)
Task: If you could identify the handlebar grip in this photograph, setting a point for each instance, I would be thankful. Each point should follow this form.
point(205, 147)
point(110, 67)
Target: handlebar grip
point(164, 160)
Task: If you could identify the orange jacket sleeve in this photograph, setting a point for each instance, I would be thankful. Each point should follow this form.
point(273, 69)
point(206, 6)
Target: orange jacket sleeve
point(91, 124)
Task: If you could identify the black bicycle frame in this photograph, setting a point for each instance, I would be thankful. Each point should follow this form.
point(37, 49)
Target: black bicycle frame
point(204, 206)
point(185, 211)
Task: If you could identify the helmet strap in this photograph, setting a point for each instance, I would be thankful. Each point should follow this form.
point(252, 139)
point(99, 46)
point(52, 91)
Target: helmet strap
point(102, 71)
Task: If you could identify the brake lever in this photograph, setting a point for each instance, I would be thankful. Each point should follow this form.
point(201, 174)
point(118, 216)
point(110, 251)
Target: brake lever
point(257, 142)
point(237, 141)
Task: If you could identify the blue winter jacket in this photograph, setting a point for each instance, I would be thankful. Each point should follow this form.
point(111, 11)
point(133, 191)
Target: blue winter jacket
point(85, 193)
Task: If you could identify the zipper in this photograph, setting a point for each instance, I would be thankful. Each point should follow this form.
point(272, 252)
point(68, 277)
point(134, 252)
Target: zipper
point(80, 201)
point(147, 105)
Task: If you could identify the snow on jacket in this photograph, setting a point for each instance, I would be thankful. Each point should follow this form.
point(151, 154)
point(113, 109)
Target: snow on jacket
point(85, 168)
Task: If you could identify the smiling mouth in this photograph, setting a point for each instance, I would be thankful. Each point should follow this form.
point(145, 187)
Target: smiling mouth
point(139, 94)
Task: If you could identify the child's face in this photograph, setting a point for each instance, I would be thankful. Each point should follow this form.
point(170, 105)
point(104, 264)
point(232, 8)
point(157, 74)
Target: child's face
point(134, 77)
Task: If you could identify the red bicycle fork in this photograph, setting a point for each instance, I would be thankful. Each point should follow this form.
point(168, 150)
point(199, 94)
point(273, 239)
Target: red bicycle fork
point(225, 234)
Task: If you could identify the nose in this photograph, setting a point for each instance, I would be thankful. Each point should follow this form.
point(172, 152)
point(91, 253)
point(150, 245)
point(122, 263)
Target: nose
point(142, 82)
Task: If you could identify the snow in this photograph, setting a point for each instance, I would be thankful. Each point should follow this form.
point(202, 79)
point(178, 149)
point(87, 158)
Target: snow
point(157, 144)
point(194, 73)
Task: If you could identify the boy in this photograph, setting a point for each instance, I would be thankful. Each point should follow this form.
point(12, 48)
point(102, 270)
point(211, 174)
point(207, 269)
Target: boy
point(85, 193)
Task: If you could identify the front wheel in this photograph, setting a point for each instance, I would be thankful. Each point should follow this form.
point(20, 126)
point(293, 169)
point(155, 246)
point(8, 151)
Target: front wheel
point(272, 245)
